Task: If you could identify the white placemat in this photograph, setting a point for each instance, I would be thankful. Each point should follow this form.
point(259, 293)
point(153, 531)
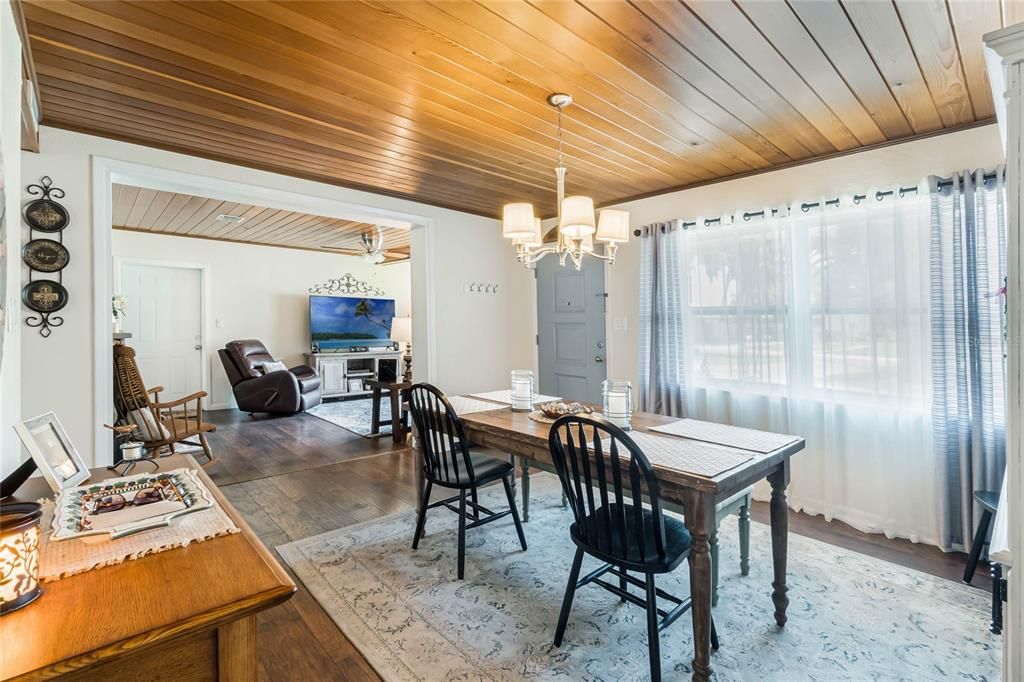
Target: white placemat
point(731, 436)
point(64, 558)
point(467, 405)
point(506, 397)
point(690, 456)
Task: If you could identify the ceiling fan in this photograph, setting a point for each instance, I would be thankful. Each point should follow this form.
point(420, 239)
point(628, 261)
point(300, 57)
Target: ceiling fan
point(373, 243)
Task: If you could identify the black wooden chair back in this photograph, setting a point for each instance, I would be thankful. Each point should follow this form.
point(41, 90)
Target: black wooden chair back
point(445, 453)
point(605, 477)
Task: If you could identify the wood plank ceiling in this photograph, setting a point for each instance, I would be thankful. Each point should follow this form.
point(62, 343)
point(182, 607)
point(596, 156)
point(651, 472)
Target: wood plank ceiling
point(444, 102)
point(182, 215)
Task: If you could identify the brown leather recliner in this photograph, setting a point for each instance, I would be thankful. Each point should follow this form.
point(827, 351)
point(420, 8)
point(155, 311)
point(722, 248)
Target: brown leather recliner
point(282, 392)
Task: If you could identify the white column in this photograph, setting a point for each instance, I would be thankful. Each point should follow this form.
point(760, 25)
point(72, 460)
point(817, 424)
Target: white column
point(1005, 57)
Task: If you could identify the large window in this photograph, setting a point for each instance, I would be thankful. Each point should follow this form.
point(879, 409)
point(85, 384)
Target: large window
point(829, 303)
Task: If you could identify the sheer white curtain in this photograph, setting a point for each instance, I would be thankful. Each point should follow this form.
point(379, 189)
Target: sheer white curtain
point(816, 323)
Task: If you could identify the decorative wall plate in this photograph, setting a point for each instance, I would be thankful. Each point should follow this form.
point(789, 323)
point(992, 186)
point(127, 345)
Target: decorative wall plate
point(131, 504)
point(44, 296)
point(45, 255)
point(45, 214)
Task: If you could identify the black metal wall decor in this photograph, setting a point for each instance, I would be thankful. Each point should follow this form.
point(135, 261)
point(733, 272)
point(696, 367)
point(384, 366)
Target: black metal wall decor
point(47, 295)
point(346, 284)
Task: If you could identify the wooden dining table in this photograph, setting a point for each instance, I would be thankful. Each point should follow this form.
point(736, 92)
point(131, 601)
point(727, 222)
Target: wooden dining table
point(518, 435)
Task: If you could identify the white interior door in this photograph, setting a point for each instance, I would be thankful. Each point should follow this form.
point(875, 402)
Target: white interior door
point(165, 309)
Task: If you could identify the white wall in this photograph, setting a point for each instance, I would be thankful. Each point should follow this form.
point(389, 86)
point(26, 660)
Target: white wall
point(904, 164)
point(10, 145)
point(258, 292)
point(479, 337)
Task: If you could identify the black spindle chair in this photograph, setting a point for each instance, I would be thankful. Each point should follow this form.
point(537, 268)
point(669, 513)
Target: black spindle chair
point(606, 477)
point(449, 462)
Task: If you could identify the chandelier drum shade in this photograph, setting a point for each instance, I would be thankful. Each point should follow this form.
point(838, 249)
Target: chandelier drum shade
point(577, 227)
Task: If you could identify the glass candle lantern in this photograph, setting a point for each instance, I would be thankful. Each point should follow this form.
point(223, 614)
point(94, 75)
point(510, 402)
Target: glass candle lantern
point(618, 402)
point(522, 390)
point(19, 554)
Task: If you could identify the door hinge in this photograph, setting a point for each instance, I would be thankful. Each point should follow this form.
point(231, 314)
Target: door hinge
point(538, 339)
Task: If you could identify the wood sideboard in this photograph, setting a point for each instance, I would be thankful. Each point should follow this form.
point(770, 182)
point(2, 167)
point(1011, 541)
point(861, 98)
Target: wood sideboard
point(184, 614)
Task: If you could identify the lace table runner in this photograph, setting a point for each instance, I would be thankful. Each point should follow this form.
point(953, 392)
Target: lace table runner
point(64, 558)
point(724, 434)
point(506, 397)
point(685, 455)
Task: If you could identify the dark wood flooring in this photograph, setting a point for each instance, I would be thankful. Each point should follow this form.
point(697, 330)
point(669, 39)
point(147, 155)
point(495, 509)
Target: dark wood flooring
point(293, 477)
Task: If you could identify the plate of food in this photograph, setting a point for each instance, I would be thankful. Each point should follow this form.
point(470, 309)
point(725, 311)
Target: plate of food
point(121, 506)
point(547, 413)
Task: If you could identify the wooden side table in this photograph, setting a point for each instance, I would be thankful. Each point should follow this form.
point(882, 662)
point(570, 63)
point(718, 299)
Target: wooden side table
point(187, 613)
point(394, 389)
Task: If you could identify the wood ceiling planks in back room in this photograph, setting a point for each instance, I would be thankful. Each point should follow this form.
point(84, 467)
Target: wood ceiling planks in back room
point(443, 102)
point(139, 209)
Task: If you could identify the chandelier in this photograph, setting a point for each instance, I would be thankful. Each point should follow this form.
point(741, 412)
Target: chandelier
point(577, 229)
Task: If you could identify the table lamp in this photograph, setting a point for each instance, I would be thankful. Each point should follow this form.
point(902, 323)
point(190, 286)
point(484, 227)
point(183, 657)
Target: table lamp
point(19, 554)
point(401, 332)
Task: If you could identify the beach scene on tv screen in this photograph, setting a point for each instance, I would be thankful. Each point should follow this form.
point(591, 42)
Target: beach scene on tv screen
point(343, 322)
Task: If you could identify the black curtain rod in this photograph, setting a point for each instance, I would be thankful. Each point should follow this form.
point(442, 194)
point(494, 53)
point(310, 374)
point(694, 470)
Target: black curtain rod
point(805, 207)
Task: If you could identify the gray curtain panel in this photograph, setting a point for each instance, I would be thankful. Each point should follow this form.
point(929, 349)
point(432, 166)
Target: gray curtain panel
point(662, 334)
point(968, 275)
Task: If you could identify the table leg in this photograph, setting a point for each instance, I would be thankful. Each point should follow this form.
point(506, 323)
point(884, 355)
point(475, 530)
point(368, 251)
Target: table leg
point(512, 461)
point(397, 430)
point(237, 659)
point(375, 412)
point(744, 524)
point(699, 509)
point(524, 467)
point(779, 513)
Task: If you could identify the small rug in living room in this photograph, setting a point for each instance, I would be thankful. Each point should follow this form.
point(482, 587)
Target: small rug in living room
point(851, 617)
point(354, 415)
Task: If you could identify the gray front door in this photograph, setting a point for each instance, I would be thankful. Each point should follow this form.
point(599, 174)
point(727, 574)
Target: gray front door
point(570, 326)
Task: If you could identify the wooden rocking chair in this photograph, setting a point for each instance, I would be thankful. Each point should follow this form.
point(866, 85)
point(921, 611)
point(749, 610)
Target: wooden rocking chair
point(158, 425)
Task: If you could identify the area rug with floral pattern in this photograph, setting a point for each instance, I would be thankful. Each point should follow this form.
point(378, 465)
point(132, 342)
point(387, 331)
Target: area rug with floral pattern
point(851, 617)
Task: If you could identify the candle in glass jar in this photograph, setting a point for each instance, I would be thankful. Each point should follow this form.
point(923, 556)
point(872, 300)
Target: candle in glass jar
point(618, 402)
point(522, 390)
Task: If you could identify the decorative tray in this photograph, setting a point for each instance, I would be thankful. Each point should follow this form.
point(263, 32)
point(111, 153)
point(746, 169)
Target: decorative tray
point(130, 504)
point(547, 413)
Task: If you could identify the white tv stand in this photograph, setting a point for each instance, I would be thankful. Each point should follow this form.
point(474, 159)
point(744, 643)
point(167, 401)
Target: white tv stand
point(336, 369)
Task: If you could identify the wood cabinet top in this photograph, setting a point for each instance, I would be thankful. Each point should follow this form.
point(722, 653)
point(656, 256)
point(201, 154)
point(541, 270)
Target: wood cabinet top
point(108, 612)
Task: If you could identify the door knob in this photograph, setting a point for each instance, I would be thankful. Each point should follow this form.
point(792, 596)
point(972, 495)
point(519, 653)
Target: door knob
point(598, 358)
point(198, 347)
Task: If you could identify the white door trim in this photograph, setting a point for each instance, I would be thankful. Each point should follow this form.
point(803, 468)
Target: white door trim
point(204, 309)
point(106, 172)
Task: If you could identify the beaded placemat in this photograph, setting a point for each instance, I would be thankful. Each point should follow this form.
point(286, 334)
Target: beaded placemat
point(467, 405)
point(64, 558)
point(690, 456)
point(724, 434)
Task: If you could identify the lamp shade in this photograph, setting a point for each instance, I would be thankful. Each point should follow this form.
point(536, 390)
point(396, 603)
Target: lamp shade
point(577, 217)
point(401, 329)
point(536, 238)
point(517, 221)
point(613, 225)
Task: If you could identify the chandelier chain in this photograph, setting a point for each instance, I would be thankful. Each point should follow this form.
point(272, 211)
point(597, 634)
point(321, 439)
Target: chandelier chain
point(560, 156)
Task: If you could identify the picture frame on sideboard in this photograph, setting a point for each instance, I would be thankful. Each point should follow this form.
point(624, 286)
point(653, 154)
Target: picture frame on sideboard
point(52, 450)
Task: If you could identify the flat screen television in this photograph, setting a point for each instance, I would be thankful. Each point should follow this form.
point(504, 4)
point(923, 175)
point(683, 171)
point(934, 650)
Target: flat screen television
point(341, 322)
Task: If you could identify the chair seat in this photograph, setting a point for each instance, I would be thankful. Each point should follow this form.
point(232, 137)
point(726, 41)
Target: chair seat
point(988, 499)
point(677, 540)
point(485, 470)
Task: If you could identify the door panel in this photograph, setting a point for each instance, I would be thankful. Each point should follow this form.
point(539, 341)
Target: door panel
point(570, 327)
point(165, 320)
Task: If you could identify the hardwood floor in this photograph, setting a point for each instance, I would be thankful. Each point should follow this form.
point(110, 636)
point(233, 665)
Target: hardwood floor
point(293, 477)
